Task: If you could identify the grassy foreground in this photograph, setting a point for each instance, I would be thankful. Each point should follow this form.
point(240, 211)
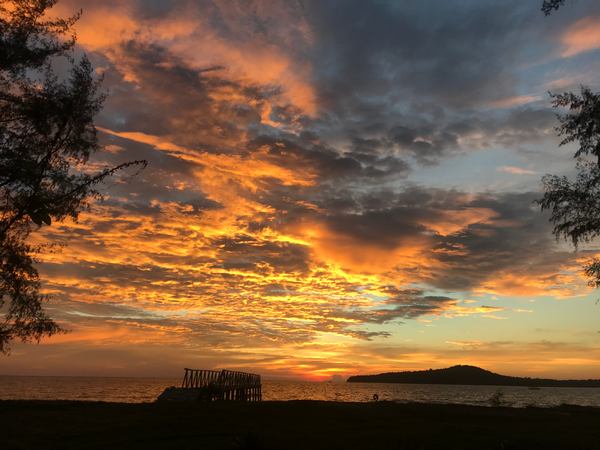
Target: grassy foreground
point(292, 425)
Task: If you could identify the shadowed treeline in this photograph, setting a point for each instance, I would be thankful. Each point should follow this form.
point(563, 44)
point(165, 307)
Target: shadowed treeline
point(467, 375)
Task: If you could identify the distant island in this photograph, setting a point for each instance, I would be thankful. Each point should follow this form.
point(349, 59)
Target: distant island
point(462, 374)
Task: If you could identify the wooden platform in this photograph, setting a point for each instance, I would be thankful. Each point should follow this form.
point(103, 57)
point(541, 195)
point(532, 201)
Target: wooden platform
point(224, 384)
point(212, 385)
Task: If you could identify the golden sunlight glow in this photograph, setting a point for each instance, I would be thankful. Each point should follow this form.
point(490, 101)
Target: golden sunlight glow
point(274, 231)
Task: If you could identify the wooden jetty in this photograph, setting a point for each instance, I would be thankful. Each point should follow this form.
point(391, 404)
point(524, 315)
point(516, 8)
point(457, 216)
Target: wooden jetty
point(212, 385)
point(225, 384)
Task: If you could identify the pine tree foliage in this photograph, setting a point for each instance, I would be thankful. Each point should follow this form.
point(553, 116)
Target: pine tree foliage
point(47, 136)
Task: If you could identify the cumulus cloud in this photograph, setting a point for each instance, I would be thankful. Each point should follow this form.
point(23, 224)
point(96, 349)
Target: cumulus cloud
point(278, 209)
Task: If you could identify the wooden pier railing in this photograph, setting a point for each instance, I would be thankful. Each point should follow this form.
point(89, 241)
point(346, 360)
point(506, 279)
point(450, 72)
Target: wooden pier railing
point(224, 384)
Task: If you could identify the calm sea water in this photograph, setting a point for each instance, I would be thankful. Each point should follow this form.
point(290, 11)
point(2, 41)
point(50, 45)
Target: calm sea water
point(135, 390)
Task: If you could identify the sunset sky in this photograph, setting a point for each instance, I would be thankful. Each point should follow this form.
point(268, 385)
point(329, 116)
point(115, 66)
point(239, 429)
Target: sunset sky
point(333, 188)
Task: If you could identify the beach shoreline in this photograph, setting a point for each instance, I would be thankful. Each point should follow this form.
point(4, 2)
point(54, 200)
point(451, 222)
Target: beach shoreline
point(294, 424)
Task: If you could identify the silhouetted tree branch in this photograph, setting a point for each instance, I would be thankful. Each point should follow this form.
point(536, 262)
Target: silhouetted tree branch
point(575, 205)
point(47, 135)
point(550, 5)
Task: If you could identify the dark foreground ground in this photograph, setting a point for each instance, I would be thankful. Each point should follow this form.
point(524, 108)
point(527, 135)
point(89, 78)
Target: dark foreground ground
point(292, 425)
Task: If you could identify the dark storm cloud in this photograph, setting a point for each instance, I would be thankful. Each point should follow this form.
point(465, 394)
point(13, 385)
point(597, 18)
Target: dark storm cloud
point(387, 49)
point(511, 237)
point(410, 304)
point(247, 252)
point(329, 164)
point(390, 79)
point(165, 83)
point(423, 142)
point(401, 304)
point(140, 277)
point(509, 129)
point(370, 50)
point(198, 119)
point(69, 309)
point(429, 140)
point(154, 9)
point(389, 227)
point(380, 130)
point(388, 218)
point(395, 82)
point(417, 77)
point(518, 241)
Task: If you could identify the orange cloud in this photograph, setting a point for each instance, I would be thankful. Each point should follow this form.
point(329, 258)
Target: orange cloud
point(188, 35)
point(453, 221)
point(564, 284)
point(515, 170)
point(244, 169)
point(582, 36)
point(232, 258)
point(518, 100)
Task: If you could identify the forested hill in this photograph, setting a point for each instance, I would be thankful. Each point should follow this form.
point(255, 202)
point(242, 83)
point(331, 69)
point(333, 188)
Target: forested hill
point(467, 375)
